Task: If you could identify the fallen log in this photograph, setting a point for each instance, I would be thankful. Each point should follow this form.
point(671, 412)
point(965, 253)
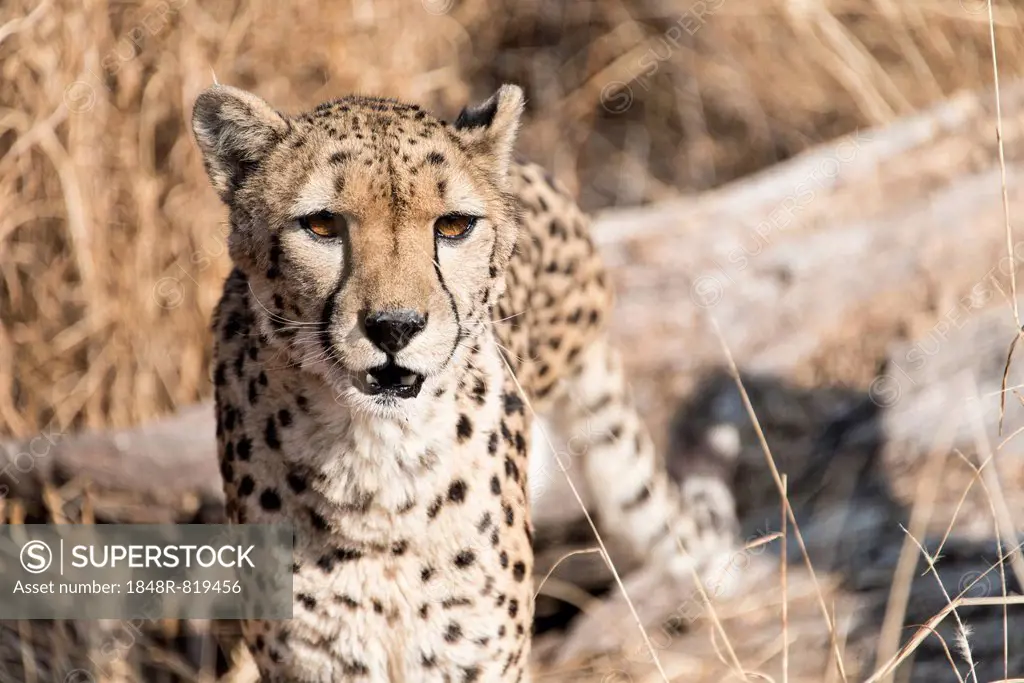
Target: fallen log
point(813, 268)
point(169, 466)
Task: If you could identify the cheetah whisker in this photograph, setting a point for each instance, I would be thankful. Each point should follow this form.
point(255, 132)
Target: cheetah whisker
point(279, 318)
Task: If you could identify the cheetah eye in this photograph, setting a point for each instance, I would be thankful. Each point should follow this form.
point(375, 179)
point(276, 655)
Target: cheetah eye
point(323, 224)
point(454, 226)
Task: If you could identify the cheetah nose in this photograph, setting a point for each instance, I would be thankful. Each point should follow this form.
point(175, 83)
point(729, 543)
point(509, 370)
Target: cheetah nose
point(391, 331)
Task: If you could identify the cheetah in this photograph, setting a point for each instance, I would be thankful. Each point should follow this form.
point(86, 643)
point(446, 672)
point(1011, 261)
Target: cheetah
point(405, 294)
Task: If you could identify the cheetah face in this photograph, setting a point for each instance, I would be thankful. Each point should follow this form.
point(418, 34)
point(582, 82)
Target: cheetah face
point(374, 236)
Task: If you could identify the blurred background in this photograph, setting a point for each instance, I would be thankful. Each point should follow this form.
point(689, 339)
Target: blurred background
point(666, 117)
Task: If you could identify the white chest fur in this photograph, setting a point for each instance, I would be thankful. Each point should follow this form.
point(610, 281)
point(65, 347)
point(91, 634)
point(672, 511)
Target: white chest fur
point(386, 461)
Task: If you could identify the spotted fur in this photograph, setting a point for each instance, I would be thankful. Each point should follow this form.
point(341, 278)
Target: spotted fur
point(412, 557)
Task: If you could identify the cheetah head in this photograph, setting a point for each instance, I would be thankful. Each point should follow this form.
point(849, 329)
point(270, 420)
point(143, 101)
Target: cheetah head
point(374, 236)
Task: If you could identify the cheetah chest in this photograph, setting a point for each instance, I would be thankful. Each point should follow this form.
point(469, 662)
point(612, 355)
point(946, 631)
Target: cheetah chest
point(412, 537)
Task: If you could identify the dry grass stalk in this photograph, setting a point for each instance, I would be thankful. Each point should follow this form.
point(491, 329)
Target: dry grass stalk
point(920, 517)
point(590, 521)
point(731, 363)
point(927, 629)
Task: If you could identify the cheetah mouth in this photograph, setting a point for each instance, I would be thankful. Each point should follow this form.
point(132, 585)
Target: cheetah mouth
point(393, 380)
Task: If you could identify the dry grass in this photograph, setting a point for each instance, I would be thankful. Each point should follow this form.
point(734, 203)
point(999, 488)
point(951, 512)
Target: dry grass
point(111, 243)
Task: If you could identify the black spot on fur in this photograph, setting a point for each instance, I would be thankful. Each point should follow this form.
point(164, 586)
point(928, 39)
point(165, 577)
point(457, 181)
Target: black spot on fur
point(613, 434)
point(449, 603)
point(317, 520)
point(435, 159)
point(457, 491)
point(233, 326)
point(453, 632)
point(641, 496)
point(511, 469)
point(465, 558)
point(339, 555)
point(464, 429)
point(246, 485)
point(269, 500)
point(354, 668)
point(346, 600)
point(518, 571)
point(270, 434)
point(479, 390)
point(296, 482)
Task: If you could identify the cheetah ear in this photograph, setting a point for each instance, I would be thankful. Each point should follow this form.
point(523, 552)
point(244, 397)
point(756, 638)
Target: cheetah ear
point(490, 127)
point(235, 129)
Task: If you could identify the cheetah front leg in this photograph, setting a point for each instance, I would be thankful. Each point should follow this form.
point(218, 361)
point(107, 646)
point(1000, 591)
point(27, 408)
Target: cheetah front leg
point(675, 529)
